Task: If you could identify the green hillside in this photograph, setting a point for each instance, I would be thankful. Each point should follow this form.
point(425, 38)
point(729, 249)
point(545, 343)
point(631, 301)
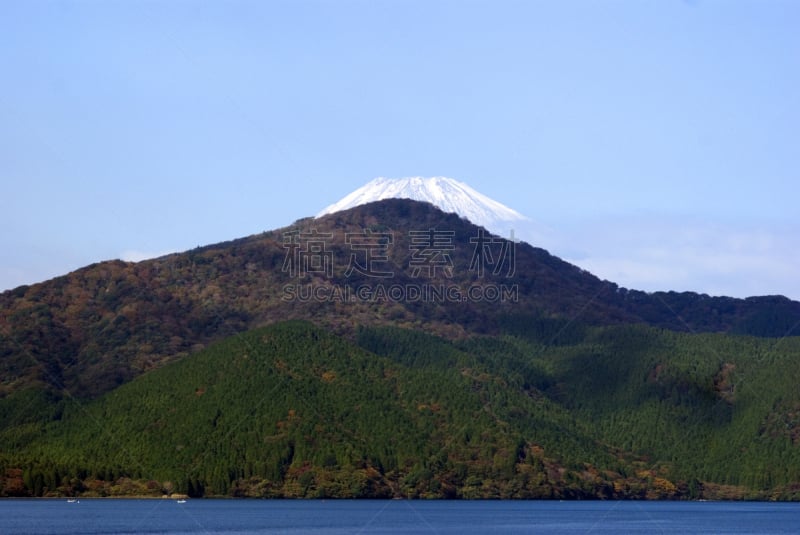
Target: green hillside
point(713, 408)
point(94, 329)
point(294, 410)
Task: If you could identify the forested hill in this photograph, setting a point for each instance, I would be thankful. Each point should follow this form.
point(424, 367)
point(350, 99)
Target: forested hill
point(94, 329)
point(292, 410)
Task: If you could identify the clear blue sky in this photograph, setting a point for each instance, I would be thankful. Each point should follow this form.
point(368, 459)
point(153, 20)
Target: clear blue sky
point(659, 140)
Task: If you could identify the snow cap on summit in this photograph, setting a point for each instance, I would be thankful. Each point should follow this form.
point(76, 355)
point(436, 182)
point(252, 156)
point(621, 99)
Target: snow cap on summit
point(445, 193)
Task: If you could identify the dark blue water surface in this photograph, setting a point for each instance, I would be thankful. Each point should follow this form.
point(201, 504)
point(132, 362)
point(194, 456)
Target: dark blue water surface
point(111, 516)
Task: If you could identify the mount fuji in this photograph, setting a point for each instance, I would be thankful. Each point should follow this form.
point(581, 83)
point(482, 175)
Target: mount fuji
point(445, 193)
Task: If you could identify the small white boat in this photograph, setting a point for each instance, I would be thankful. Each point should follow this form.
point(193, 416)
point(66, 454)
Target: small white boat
point(181, 501)
point(73, 500)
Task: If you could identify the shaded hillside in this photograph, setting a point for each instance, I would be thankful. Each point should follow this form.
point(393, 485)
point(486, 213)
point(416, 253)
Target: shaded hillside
point(96, 328)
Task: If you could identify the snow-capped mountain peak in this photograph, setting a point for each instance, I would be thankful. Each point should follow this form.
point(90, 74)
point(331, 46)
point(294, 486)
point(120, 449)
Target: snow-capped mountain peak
point(445, 193)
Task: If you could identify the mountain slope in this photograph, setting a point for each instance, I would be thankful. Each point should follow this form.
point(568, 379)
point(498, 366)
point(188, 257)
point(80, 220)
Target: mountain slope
point(89, 331)
point(292, 410)
point(574, 385)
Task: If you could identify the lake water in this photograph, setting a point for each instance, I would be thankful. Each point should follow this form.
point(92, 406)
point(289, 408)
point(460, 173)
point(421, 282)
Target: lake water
point(391, 516)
